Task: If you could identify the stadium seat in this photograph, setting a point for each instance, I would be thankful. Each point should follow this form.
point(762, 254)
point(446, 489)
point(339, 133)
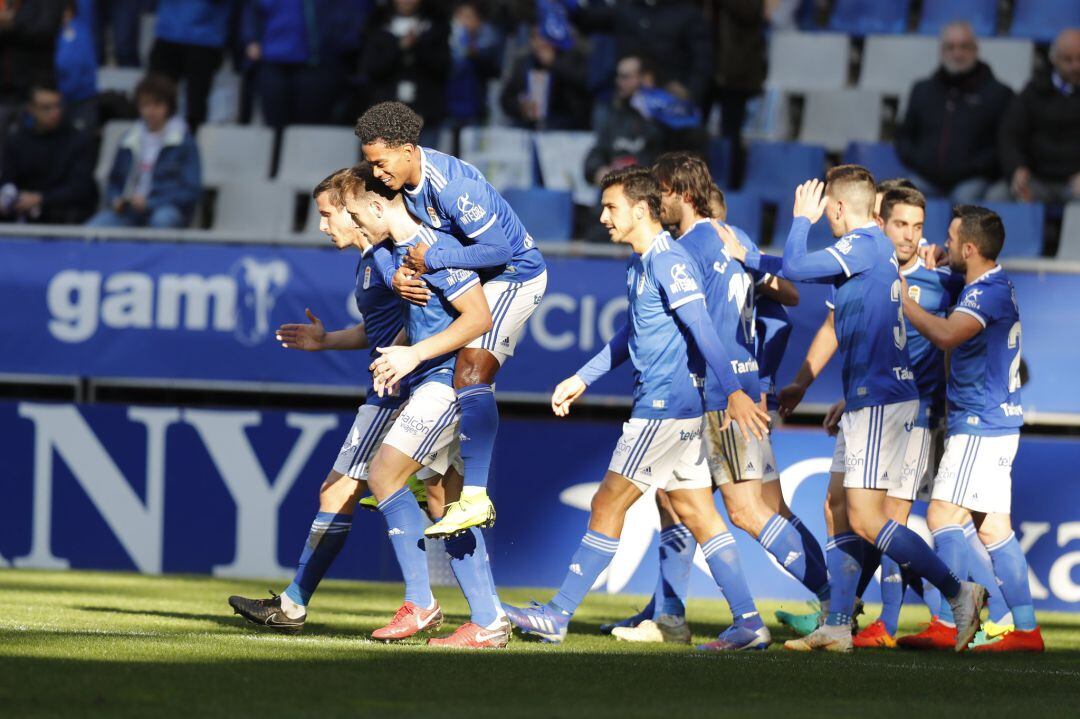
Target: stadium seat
point(548, 215)
point(774, 169)
point(1069, 247)
point(234, 152)
point(767, 116)
point(1042, 20)
point(254, 207)
point(938, 217)
point(820, 235)
point(1023, 227)
point(801, 61)
point(878, 157)
point(119, 79)
point(936, 14)
point(835, 117)
point(866, 17)
point(744, 211)
point(504, 154)
point(1011, 59)
point(561, 156)
point(892, 64)
point(311, 152)
point(110, 140)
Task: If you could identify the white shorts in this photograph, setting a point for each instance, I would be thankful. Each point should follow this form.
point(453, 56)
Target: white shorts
point(976, 472)
point(872, 444)
point(367, 433)
point(512, 304)
point(732, 458)
point(916, 479)
point(427, 427)
point(663, 453)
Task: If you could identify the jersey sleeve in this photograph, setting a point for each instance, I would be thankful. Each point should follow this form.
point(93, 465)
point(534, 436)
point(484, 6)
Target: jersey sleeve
point(385, 265)
point(802, 266)
point(451, 283)
point(470, 205)
point(854, 253)
point(676, 276)
point(830, 299)
point(952, 283)
point(979, 301)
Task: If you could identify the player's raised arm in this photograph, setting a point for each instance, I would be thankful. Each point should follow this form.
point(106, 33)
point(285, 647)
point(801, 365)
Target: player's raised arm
point(313, 337)
point(470, 205)
point(798, 264)
point(613, 354)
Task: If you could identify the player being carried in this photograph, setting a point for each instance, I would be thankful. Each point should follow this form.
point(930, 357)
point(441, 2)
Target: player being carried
point(670, 338)
point(453, 197)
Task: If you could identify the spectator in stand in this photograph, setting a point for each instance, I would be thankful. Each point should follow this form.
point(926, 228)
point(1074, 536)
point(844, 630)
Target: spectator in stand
point(76, 67)
point(189, 47)
point(547, 88)
point(948, 138)
point(673, 32)
point(155, 180)
point(123, 18)
point(28, 32)
point(48, 168)
point(302, 49)
point(1040, 136)
point(476, 52)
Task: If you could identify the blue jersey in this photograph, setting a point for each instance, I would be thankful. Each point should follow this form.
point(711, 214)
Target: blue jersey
point(935, 291)
point(667, 378)
point(773, 333)
point(870, 324)
point(984, 372)
point(427, 320)
point(380, 309)
point(454, 197)
point(729, 295)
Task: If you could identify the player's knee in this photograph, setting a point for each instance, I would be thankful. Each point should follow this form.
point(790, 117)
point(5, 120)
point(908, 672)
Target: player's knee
point(744, 517)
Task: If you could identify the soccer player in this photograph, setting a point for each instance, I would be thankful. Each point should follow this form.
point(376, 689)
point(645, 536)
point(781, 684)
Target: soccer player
point(670, 338)
point(740, 468)
point(454, 197)
point(881, 400)
point(982, 335)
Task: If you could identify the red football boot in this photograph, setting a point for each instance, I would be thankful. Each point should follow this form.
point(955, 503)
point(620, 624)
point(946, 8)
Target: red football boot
point(409, 620)
point(474, 636)
point(935, 636)
point(875, 636)
point(1015, 641)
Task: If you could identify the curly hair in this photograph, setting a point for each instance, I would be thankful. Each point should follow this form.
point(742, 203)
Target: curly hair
point(394, 123)
point(639, 184)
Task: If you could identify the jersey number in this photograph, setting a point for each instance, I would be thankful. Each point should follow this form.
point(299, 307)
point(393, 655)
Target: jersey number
point(1014, 367)
point(899, 333)
point(740, 291)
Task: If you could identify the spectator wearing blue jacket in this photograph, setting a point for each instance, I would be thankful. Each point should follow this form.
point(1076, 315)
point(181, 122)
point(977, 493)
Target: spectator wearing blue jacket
point(302, 50)
point(190, 44)
point(76, 66)
point(155, 180)
point(476, 54)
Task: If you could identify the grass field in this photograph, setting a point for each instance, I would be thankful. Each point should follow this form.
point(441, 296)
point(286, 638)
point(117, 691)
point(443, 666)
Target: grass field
point(119, 645)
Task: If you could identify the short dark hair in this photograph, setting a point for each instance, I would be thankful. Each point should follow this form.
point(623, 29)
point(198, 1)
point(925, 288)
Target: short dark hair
point(358, 180)
point(41, 85)
point(687, 176)
point(158, 88)
point(982, 228)
point(333, 185)
point(901, 196)
point(395, 123)
point(648, 67)
point(638, 184)
point(855, 182)
point(896, 183)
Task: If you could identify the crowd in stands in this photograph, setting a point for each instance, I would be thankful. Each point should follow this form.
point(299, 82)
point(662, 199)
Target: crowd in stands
point(644, 76)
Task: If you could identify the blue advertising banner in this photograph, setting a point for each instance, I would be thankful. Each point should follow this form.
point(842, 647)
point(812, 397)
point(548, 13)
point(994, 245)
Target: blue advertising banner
point(232, 493)
point(208, 312)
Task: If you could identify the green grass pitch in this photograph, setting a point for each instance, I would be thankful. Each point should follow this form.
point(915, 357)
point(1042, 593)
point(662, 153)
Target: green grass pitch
point(78, 644)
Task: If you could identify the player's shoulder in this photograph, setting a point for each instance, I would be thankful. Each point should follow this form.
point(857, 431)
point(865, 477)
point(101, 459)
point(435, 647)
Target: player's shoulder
point(430, 235)
point(664, 251)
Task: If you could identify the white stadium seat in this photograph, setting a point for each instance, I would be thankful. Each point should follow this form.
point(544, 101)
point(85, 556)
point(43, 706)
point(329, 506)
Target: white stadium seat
point(801, 61)
point(891, 64)
point(254, 207)
point(503, 154)
point(119, 79)
point(1012, 60)
point(234, 152)
point(311, 152)
point(834, 118)
point(562, 163)
point(110, 140)
point(1069, 249)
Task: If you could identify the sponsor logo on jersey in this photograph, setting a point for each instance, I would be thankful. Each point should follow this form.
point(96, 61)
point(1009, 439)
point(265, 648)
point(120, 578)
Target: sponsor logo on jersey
point(843, 245)
point(903, 374)
point(971, 299)
point(395, 532)
point(681, 281)
point(367, 277)
point(1012, 410)
point(455, 277)
point(623, 446)
point(685, 436)
point(470, 211)
point(851, 461)
point(434, 217)
point(744, 367)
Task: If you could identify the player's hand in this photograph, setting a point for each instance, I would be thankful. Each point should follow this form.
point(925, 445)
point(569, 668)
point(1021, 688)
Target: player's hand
point(415, 259)
point(395, 363)
point(731, 243)
point(933, 256)
point(410, 288)
point(564, 395)
point(832, 418)
point(810, 200)
point(789, 398)
point(748, 414)
point(310, 337)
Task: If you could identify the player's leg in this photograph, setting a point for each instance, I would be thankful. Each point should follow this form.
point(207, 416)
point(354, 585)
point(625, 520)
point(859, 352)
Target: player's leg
point(1011, 570)
point(773, 496)
point(881, 633)
point(981, 571)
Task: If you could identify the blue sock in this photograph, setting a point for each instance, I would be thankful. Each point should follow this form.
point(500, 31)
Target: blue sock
point(592, 557)
point(981, 571)
point(1011, 568)
point(782, 541)
point(911, 552)
point(406, 522)
point(933, 599)
point(723, 560)
point(325, 539)
point(871, 560)
point(843, 553)
point(892, 594)
point(468, 561)
point(951, 545)
point(677, 547)
point(478, 426)
point(816, 570)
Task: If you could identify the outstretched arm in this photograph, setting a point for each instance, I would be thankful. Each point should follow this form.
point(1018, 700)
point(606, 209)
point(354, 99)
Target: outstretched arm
point(313, 337)
point(611, 356)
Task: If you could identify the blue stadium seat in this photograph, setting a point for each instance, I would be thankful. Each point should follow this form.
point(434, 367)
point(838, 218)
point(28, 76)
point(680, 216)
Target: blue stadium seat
point(867, 17)
point(938, 217)
point(982, 14)
point(1042, 20)
point(1023, 227)
point(744, 211)
point(878, 157)
point(820, 234)
point(548, 215)
point(774, 169)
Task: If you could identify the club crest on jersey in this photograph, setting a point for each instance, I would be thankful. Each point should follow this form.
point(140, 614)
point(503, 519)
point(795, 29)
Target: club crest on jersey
point(470, 211)
point(435, 221)
point(367, 277)
point(641, 284)
point(914, 292)
point(681, 281)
